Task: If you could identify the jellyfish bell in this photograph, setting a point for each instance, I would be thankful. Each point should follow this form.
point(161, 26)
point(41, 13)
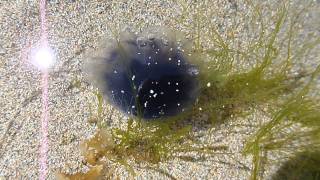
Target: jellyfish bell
point(147, 75)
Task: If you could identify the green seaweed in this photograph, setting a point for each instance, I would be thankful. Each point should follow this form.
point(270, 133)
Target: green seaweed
point(299, 109)
point(228, 89)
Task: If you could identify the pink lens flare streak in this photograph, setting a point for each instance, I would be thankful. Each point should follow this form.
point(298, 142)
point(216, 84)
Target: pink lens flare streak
point(44, 127)
point(44, 34)
point(44, 144)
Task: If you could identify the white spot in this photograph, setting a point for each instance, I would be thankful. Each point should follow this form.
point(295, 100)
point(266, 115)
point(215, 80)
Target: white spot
point(177, 84)
point(151, 91)
point(178, 64)
point(157, 82)
point(247, 84)
point(156, 62)
point(178, 104)
point(133, 107)
point(145, 104)
point(161, 93)
point(171, 49)
point(164, 105)
point(177, 90)
point(115, 71)
point(169, 58)
point(112, 92)
point(43, 58)
point(149, 57)
point(155, 95)
point(133, 77)
point(200, 109)
point(208, 84)
point(148, 64)
point(139, 53)
point(169, 83)
point(122, 91)
point(182, 109)
point(179, 61)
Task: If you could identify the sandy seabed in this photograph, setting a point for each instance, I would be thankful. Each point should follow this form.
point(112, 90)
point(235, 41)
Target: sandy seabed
point(76, 28)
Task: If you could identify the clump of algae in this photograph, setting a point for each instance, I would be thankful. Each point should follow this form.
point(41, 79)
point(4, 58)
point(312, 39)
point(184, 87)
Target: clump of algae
point(94, 173)
point(287, 99)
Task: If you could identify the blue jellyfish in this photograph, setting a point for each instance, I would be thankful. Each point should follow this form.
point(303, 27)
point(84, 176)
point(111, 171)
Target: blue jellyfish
point(147, 75)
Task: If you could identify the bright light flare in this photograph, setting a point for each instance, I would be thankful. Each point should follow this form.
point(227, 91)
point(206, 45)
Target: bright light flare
point(43, 58)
